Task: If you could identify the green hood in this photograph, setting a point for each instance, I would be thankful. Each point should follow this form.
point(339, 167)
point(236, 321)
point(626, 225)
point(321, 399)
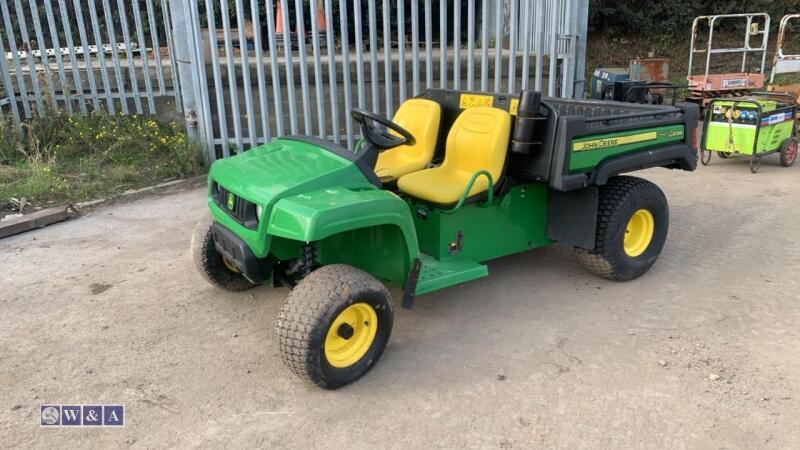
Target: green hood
point(265, 174)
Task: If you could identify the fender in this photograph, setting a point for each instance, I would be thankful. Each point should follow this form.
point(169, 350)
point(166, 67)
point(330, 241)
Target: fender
point(676, 156)
point(321, 215)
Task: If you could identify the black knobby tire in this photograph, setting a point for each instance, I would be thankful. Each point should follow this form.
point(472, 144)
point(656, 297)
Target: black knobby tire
point(311, 309)
point(210, 263)
point(789, 151)
point(620, 198)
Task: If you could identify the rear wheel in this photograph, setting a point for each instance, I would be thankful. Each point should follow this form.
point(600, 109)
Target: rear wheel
point(725, 155)
point(212, 266)
point(632, 225)
point(335, 325)
point(789, 152)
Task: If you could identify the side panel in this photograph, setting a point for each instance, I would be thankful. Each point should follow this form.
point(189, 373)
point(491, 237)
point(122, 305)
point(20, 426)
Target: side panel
point(772, 137)
point(381, 250)
point(588, 152)
point(724, 137)
point(673, 153)
point(511, 224)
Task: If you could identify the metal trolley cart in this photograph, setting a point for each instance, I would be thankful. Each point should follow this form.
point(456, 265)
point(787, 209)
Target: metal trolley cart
point(755, 126)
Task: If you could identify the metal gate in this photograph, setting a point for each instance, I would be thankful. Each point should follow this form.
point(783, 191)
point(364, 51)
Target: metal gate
point(245, 71)
point(252, 70)
point(85, 55)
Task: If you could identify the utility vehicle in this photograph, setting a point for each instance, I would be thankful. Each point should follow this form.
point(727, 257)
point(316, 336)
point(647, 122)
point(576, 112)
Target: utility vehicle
point(455, 180)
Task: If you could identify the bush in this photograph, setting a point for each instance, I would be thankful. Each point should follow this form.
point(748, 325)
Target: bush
point(72, 158)
point(634, 17)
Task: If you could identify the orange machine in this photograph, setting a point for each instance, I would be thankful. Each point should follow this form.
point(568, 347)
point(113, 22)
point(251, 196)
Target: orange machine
point(707, 86)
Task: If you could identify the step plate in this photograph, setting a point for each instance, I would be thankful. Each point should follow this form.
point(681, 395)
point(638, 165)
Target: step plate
point(437, 275)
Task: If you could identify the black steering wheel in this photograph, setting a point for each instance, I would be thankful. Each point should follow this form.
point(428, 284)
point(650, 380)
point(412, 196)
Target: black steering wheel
point(379, 136)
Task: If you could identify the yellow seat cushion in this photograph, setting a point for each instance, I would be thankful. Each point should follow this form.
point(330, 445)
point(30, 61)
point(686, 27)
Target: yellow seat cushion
point(421, 118)
point(478, 140)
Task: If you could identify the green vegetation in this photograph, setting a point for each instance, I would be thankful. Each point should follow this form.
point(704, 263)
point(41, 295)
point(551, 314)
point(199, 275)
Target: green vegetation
point(61, 158)
point(673, 17)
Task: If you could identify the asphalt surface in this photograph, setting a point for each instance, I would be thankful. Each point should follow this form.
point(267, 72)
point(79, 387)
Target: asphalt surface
point(701, 352)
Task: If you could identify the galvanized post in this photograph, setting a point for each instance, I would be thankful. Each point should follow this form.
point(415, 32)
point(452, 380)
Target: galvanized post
point(9, 89)
point(373, 54)
point(23, 28)
point(301, 43)
point(348, 121)
point(317, 51)
point(204, 107)
point(188, 74)
point(216, 71)
point(499, 18)
point(12, 47)
point(581, 33)
point(443, 44)
point(552, 74)
point(387, 58)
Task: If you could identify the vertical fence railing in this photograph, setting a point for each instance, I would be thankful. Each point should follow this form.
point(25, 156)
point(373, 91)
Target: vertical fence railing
point(245, 71)
point(86, 55)
point(315, 59)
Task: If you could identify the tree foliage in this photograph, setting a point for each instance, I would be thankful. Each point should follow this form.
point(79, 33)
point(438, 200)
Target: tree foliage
point(637, 17)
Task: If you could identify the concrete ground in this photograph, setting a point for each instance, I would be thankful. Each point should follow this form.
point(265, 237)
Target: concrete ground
point(701, 352)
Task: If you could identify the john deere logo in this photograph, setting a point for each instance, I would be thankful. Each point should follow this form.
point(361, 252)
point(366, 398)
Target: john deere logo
point(231, 200)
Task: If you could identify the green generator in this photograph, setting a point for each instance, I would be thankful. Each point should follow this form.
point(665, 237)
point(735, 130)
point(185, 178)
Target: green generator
point(752, 126)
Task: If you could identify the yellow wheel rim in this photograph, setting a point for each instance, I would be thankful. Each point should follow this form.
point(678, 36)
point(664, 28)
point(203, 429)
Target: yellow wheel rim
point(351, 335)
point(639, 233)
point(232, 267)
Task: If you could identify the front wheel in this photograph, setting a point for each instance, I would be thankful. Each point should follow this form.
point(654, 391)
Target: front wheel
point(215, 268)
point(335, 325)
point(632, 225)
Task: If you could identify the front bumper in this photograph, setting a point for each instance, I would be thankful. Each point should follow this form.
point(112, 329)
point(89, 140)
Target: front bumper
point(235, 250)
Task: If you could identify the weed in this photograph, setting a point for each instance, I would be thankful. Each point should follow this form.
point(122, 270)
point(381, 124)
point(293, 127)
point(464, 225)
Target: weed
point(60, 158)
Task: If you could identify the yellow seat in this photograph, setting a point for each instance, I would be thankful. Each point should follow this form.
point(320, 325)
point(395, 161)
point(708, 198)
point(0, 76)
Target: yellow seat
point(478, 140)
point(420, 118)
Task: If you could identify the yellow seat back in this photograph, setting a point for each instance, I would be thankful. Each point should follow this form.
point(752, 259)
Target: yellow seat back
point(478, 140)
point(421, 118)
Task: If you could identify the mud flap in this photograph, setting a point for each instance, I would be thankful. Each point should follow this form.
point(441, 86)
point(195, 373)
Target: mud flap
point(572, 217)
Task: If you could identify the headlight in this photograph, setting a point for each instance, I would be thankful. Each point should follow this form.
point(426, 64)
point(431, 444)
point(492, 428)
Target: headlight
point(259, 210)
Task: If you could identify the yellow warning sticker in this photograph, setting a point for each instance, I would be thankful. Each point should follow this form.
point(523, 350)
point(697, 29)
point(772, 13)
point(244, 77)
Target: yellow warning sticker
point(512, 108)
point(598, 144)
point(475, 100)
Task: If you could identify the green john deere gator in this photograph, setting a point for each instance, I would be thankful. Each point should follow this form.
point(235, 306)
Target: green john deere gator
point(425, 200)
